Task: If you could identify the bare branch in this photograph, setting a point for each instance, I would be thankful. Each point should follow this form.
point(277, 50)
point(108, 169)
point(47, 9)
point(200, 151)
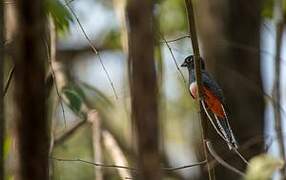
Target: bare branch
point(126, 167)
point(95, 121)
point(173, 57)
point(176, 39)
point(198, 74)
point(93, 48)
point(61, 138)
point(241, 156)
point(185, 167)
point(116, 153)
point(94, 164)
point(220, 160)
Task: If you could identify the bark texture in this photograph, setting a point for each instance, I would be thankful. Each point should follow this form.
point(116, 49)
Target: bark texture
point(144, 90)
point(32, 125)
point(2, 122)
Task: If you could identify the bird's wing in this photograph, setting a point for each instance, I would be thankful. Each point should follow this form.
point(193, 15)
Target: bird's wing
point(212, 85)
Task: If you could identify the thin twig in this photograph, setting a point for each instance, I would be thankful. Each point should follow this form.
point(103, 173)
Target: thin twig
point(173, 57)
point(176, 39)
point(94, 49)
point(70, 131)
point(232, 44)
point(221, 161)
point(126, 167)
point(243, 147)
point(94, 164)
point(241, 156)
point(8, 82)
point(68, 2)
point(184, 167)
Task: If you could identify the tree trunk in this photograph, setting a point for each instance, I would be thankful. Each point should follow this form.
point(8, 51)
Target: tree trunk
point(228, 29)
point(2, 122)
point(32, 125)
point(144, 90)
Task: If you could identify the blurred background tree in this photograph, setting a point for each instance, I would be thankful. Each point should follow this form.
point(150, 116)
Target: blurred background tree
point(87, 84)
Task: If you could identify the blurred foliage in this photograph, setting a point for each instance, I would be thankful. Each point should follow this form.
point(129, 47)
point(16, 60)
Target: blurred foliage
point(262, 167)
point(172, 16)
point(268, 6)
point(112, 40)
point(95, 98)
point(61, 15)
point(267, 10)
point(79, 145)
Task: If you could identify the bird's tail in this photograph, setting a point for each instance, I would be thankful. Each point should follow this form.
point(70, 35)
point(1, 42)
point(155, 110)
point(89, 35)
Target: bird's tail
point(226, 130)
point(222, 127)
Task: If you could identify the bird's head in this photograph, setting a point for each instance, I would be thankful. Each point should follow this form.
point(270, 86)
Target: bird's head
point(190, 62)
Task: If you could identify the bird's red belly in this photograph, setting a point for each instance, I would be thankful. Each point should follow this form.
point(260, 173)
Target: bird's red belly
point(213, 103)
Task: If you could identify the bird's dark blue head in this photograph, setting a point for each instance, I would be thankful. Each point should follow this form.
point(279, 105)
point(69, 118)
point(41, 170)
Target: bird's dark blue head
point(190, 62)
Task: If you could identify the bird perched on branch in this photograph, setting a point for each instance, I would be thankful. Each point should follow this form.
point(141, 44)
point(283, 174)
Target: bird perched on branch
point(212, 101)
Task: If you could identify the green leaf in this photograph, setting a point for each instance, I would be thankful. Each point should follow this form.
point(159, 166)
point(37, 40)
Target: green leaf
point(262, 167)
point(61, 15)
point(75, 97)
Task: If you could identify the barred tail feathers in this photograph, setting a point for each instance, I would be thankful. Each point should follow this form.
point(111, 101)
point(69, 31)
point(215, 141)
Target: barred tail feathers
point(227, 132)
point(222, 127)
point(212, 122)
point(234, 142)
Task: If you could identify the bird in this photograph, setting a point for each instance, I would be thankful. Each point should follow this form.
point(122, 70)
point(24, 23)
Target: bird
point(213, 101)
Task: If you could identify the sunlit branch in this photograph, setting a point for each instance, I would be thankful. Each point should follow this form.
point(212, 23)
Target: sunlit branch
point(51, 52)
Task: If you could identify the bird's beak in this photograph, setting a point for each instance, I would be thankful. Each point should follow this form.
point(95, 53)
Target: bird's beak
point(184, 64)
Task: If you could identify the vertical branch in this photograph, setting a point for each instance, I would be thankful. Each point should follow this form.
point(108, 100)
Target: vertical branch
point(94, 119)
point(278, 15)
point(144, 88)
point(116, 154)
point(119, 7)
point(51, 51)
point(31, 120)
point(2, 120)
point(195, 45)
